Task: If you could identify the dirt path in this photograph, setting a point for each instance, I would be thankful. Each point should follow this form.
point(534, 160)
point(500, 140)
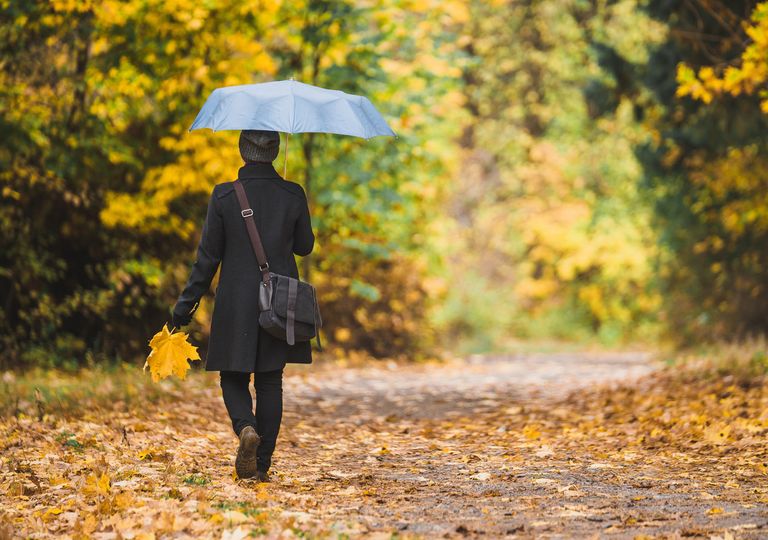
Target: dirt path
point(424, 450)
point(455, 388)
point(406, 469)
point(492, 447)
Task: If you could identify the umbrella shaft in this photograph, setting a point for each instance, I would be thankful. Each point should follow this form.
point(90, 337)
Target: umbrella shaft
point(285, 159)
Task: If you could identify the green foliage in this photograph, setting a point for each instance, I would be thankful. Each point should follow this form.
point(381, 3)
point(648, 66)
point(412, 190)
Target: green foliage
point(704, 167)
point(103, 191)
point(577, 170)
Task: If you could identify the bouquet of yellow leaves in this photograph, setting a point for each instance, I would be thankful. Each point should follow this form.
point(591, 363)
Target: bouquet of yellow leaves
point(170, 355)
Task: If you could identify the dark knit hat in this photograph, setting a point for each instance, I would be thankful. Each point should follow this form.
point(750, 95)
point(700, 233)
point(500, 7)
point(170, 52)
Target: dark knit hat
point(259, 145)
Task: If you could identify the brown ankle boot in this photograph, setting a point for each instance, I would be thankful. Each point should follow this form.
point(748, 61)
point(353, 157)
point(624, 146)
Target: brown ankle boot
point(262, 476)
point(245, 462)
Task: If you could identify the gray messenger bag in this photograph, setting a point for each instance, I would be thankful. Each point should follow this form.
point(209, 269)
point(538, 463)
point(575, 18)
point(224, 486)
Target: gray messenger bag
point(288, 306)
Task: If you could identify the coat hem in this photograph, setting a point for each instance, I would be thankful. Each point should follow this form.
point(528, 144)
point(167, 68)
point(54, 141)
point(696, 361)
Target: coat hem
point(210, 368)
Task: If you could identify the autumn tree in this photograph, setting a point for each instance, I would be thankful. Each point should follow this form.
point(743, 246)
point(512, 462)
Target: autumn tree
point(104, 191)
point(746, 74)
point(704, 166)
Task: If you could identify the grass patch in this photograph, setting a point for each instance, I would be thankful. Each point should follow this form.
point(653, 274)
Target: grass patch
point(40, 392)
point(243, 507)
point(746, 362)
point(196, 480)
point(68, 440)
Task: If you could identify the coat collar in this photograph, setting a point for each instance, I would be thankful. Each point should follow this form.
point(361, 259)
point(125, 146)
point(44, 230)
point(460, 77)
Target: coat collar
point(257, 169)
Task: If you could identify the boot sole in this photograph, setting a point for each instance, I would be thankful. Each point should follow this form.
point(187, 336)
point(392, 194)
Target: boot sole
point(245, 462)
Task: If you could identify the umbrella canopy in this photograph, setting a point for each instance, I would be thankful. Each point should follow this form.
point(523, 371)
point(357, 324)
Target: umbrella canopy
point(291, 107)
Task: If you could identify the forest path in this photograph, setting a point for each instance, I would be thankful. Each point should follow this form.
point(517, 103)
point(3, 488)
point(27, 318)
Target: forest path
point(456, 450)
point(526, 446)
point(380, 443)
point(459, 387)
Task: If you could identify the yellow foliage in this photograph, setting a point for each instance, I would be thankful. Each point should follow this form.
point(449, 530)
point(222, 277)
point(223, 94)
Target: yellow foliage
point(735, 185)
point(748, 77)
point(690, 85)
point(564, 246)
point(205, 161)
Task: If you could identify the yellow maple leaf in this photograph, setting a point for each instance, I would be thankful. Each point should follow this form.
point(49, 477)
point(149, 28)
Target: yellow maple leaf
point(51, 513)
point(261, 492)
point(104, 484)
point(531, 432)
point(97, 484)
point(170, 354)
point(147, 453)
point(717, 434)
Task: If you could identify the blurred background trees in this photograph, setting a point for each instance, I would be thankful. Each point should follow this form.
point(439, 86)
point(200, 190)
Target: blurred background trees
point(580, 170)
point(704, 166)
point(547, 202)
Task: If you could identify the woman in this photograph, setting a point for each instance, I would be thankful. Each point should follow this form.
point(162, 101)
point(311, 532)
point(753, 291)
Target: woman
point(238, 346)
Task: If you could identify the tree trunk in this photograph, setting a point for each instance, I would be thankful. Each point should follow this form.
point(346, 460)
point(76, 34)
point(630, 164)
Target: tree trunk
point(82, 47)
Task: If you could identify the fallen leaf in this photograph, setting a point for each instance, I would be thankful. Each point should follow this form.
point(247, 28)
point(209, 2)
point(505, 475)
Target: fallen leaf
point(717, 434)
point(531, 432)
point(51, 513)
point(104, 484)
point(235, 534)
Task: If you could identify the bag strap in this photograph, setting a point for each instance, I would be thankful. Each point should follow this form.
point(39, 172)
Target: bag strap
point(253, 232)
point(290, 322)
point(315, 315)
point(261, 257)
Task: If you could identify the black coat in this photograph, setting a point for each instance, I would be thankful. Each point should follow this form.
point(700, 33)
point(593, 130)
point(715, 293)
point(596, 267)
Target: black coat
point(237, 343)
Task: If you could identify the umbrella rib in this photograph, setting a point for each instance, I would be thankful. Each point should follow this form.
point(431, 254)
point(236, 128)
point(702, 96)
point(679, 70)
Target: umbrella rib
point(350, 104)
point(371, 122)
point(377, 122)
point(216, 110)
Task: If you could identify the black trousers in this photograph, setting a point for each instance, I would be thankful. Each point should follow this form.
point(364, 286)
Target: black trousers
point(269, 407)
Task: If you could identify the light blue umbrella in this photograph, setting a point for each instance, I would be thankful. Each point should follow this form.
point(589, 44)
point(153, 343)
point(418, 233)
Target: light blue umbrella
point(291, 107)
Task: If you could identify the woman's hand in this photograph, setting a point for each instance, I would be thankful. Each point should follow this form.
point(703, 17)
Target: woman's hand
point(180, 319)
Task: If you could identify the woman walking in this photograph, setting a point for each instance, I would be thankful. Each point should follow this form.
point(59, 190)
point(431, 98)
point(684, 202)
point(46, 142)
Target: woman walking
point(238, 347)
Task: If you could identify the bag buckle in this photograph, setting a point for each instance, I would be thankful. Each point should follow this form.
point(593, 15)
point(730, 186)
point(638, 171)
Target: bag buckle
point(265, 267)
point(246, 213)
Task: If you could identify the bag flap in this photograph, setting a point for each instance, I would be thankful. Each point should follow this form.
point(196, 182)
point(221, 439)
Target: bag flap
point(305, 301)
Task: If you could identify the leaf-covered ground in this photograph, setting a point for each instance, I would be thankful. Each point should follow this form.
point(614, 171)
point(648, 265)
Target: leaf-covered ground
point(531, 446)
